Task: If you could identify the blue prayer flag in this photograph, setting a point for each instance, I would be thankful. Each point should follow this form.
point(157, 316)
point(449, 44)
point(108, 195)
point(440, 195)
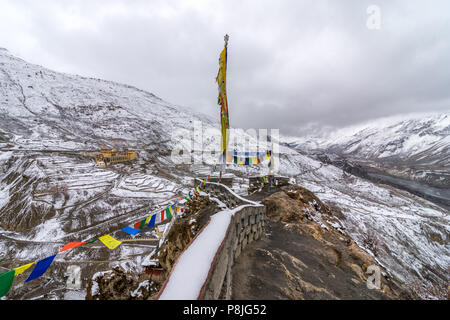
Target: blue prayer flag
point(40, 268)
point(130, 230)
point(152, 221)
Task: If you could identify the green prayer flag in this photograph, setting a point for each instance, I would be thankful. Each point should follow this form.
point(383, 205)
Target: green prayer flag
point(168, 213)
point(6, 280)
point(92, 241)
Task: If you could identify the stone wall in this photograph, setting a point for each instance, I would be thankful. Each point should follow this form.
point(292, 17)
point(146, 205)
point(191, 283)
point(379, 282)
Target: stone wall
point(246, 226)
point(220, 192)
point(228, 181)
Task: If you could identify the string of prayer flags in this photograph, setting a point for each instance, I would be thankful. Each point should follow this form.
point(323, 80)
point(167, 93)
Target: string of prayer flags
point(6, 280)
point(109, 241)
point(71, 245)
point(21, 269)
point(248, 160)
point(40, 268)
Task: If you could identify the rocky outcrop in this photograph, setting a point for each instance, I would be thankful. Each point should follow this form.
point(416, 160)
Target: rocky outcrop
point(307, 255)
point(113, 284)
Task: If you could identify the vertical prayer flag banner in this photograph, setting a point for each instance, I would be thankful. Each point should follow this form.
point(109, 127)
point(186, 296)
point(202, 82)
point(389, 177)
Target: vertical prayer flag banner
point(21, 269)
point(6, 280)
point(152, 221)
point(130, 230)
point(109, 241)
point(221, 80)
point(72, 245)
point(40, 268)
point(162, 215)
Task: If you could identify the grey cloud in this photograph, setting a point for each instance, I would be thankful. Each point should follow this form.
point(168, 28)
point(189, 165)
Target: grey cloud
point(291, 63)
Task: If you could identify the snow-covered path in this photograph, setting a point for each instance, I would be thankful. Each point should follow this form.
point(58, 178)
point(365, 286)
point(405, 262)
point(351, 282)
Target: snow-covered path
point(192, 268)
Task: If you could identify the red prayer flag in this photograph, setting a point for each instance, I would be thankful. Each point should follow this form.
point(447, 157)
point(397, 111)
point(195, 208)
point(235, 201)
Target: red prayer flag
point(72, 245)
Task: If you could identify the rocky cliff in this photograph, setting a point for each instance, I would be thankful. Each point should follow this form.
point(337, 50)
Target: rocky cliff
point(306, 254)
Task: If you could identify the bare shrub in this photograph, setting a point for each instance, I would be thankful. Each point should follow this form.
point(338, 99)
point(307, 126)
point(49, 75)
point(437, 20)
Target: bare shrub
point(371, 242)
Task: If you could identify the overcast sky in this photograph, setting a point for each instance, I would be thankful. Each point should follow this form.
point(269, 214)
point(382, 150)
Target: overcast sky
point(290, 63)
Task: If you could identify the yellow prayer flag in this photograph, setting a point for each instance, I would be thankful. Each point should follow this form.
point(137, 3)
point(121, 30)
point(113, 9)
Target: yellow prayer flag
point(221, 80)
point(21, 269)
point(109, 241)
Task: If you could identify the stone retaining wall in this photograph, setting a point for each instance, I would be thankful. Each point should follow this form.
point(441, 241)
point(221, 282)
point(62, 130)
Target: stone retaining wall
point(246, 226)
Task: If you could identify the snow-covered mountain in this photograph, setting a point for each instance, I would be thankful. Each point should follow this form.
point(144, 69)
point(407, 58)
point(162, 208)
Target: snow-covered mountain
point(52, 193)
point(410, 151)
point(421, 138)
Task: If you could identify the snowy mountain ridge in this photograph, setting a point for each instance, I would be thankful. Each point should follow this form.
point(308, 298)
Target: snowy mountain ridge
point(415, 137)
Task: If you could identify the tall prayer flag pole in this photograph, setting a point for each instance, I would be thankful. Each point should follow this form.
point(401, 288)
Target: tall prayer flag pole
point(221, 80)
